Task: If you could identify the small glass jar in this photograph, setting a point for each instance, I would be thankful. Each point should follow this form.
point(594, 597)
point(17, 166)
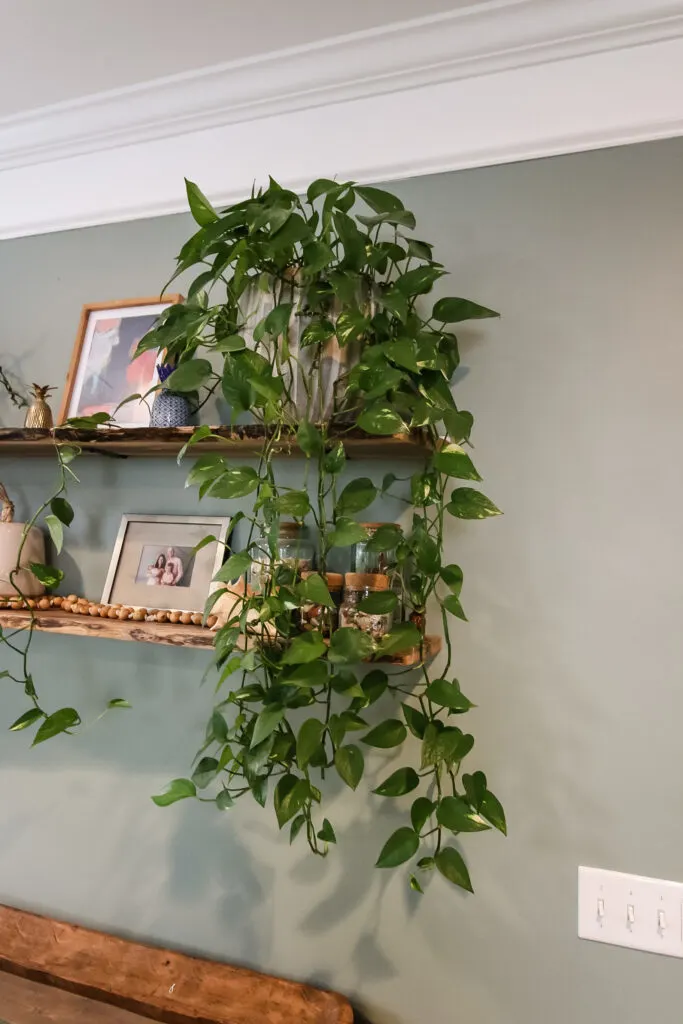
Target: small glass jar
point(358, 585)
point(293, 550)
point(383, 562)
point(367, 561)
point(318, 616)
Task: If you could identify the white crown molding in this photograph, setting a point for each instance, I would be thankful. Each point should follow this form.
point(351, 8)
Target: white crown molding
point(496, 36)
point(498, 81)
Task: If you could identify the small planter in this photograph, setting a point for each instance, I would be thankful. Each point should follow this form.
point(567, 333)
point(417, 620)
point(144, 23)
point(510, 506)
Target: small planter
point(170, 408)
point(11, 534)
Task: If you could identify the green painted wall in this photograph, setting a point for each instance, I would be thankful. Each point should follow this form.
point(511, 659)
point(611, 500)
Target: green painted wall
point(573, 651)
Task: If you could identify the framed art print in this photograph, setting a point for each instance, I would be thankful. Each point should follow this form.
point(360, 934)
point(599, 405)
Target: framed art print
point(103, 369)
point(154, 563)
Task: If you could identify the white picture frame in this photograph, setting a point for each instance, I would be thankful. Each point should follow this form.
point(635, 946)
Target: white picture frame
point(154, 562)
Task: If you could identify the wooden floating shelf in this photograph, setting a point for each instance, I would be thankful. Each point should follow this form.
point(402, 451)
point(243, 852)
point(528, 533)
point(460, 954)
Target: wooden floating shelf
point(73, 624)
point(160, 442)
point(168, 633)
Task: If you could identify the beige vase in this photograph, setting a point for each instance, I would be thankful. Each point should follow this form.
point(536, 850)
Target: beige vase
point(321, 396)
point(11, 534)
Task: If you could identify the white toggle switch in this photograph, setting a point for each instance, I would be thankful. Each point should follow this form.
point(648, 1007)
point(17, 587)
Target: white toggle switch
point(628, 910)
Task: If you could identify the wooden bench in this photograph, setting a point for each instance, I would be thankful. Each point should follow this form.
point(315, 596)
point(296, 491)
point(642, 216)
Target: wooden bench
point(102, 979)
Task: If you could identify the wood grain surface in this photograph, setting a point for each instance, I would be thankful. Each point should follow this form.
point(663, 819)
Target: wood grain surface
point(23, 1001)
point(235, 442)
point(157, 983)
point(73, 624)
point(173, 634)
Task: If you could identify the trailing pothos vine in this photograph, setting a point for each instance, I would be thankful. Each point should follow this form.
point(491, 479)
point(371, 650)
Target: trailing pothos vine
point(298, 710)
point(349, 289)
point(55, 513)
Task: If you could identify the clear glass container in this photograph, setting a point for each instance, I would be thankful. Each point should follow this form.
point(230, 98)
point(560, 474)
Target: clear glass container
point(293, 549)
point(379, 562)
point(358, 585)
point(367, 561)
point(318, 616)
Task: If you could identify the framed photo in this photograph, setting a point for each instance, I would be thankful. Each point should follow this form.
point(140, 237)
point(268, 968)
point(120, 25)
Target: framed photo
point(103, 371)
point(154, 564)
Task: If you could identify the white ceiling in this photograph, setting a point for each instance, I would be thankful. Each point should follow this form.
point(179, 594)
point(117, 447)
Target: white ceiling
point(52, 51)
point(323, 89)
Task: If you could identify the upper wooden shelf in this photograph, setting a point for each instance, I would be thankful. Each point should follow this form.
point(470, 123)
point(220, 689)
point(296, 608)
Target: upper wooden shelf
point(168, 633)
point(160, 442)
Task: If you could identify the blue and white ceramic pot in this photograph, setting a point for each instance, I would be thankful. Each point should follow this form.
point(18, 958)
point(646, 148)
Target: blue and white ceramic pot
point(170, 408)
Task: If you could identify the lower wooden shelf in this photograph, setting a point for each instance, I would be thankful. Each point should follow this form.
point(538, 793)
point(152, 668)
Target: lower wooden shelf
point(72, 624)
point(169, 633)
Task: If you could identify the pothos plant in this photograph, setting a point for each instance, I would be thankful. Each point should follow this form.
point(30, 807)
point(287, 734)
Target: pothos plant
point(55, 513)
point(297, 712)
point(293, 701)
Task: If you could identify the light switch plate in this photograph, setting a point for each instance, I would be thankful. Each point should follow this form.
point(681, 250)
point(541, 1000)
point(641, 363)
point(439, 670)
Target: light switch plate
point(632, 911)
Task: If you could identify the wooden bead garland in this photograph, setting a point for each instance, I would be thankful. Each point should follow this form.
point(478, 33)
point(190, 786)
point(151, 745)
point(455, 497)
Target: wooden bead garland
point(81, 606)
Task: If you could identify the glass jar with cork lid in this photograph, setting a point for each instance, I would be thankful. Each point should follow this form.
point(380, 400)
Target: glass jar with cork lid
point(293, 549)
point(365, 560)
point(357, 586)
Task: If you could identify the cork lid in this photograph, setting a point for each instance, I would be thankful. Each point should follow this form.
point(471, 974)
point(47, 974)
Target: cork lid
point(334, 580)
point(366, 580)
point(289, 529)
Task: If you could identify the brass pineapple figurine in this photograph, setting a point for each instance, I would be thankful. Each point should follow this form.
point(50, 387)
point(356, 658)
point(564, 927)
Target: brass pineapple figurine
point(39, 413)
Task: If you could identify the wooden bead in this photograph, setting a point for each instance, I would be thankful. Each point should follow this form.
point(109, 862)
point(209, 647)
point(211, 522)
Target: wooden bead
point(72, 598)
point(197, 619)
point(104, 611)
point(93, 609)
point(56, 601)
point(162, 616)
point(139, 614)
point(31, 602)
point(125, 613)
point(186, 618)
point(113, 613)
point(66, 605)
point(174, 616)
point(211, 621)
point(44, 603)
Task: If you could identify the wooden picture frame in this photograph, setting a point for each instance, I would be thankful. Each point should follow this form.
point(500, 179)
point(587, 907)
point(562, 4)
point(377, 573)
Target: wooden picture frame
point(136, 580)
point(106, 394)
